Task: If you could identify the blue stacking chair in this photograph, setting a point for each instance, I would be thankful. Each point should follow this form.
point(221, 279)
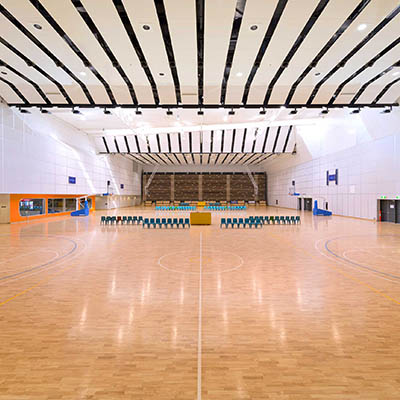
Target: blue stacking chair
point(180, 222)
point(163, 222)
point(175, 222)
point(187, 222)
point(240, 222)
point(297, 219)
point(103, 219)
point(223, 222)
point(152, 223)
point(229, 222)
point(169, 222)
point(158, 222)
point(146, 223)
point(234, 222)
point(129, 219)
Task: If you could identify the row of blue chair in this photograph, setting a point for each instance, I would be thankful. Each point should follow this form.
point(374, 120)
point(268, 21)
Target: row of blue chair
point(166, 222)
point(130, 219)
point(241, 223)
point(175, 208)
point(225, 208)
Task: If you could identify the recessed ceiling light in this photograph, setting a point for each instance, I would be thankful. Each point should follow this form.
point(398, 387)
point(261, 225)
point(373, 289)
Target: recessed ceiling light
point(83, 73)
point(362, 27)
point(38, 26)
point(161, 74)
point(317, 73)
point(5, 73)
point(253, 27)
point(396, 73)
point(146, 27)
point(239, 74)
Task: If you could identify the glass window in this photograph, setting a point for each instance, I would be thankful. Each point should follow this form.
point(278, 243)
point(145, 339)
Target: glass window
point(28, 207)
point(55, 206)
point(82, 203)
point(70, 204)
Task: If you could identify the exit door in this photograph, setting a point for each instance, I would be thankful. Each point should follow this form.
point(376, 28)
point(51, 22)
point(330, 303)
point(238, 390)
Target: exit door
point(307, 204)
point(388, 211)
point(299, 204)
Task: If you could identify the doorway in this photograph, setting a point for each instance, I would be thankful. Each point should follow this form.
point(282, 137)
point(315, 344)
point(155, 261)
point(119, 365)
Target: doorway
point(307, 204)
point(388, 211)
point(299, 204)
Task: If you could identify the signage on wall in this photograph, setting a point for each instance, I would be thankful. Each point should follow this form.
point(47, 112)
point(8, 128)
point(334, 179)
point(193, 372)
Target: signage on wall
point(332, 177)
point(72, 180)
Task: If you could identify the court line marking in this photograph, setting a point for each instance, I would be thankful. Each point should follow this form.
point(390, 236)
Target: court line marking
point(159, 262)
point(199, 338)
point(340, 271)
point(43, 281)
point(27, 254)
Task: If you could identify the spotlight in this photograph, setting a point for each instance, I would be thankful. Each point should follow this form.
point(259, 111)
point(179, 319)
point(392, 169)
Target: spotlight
point(200, 112)
point(387, 110)
point(106, 112)
point(75, 111)
point(44, 111)
point(169, 112)
point(138, 112)
point(231, 112)
point(293, 112)
point(24, 111)
point(325, 111)
point(263, 112)
point(356, 111)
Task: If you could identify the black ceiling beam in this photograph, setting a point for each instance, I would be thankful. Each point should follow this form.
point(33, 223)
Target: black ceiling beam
point(103, 44)
point(30, 63)
point(17, 92)
point(127, 144)
point(225, 158)
point(200, 49)
point(384, 91)
point(46, 51)
point(367, 65)
point(25, 78)
point(264, 159)
point(244, 139)
point(162, 18)
point(252, 156)
point(264, 45)
point(168, 158)
point(123, 15)
point(237, 21)
point(354, 51)
point(46, 15)
point(265, 139)
point(106, 145)
point(176, 158)
point(372, 80)
point(158, 156)
point(300, 39)
point(208, 106)
point(241, 158)
point(335, 37)
point(184, 157)
point(136, 159)
point(276, 139)
point(257, 158)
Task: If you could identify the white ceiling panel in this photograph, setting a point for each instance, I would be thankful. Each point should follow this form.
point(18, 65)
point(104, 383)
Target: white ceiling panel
point(181, 158)
point(292, 141)
point(142, 144)
point(99, 144)
point(282, 139)
point(250, 139)
point(185, 142)
point(111, 144)
point(174, 137)
point(228, 137)
point(273, 130)
point(196, 142)
point(392, 95)
point(217, 141)
point(153, 143)
point(219, 16)
point(152, 43)
point(212, 158)
point(121, 144)
point(206, 141)
point(196, 158)
point(164, 142)
point(260, 140)
point(237, 146)
point(132, 144)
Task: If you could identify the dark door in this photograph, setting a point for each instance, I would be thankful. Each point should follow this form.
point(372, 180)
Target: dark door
point(388, 210)
point(398, 211)
point(299, 204)
point(308, 204)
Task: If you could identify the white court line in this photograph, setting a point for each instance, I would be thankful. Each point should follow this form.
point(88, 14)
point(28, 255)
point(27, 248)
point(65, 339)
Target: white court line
point(199, 339)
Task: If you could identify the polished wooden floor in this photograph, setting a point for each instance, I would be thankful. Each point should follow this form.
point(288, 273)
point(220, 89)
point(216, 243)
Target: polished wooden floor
point(118, 312)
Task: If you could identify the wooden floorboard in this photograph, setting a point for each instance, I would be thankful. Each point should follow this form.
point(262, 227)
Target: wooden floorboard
point(307, 311)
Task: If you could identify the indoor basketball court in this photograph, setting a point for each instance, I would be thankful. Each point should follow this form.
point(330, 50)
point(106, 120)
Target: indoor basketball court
point(199, 199)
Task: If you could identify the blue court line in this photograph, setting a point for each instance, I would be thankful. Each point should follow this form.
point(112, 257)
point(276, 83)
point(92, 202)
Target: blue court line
point(75, 245)
point(354, 263)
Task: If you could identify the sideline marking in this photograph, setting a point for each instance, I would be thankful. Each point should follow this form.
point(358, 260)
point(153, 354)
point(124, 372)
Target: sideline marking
point(199, 339)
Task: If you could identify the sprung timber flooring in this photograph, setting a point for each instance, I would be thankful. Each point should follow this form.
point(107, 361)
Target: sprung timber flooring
point(310, 311)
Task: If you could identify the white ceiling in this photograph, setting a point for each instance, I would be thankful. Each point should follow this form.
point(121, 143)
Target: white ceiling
point(176, 31)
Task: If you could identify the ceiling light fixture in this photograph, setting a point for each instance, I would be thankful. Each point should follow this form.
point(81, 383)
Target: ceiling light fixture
point(161, 73)
point(325, 110)
point(4, 72)
point(293, 112)
point(356, 111)
point(253, 27)
point(239, 74)
point(82, 73)
point(263, 112)
point(24, 111)
point(75, 111)
point(362, 27)
point(387, 110)
point(396, 73)
point(138, 112)
point(231, 112)
point(169, 112)
point(106, 112)
point(44, 111)
point(146, 27)
point(200, 112)
point(38, 27)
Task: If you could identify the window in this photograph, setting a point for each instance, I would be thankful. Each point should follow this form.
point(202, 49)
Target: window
point(70, 204)
point(55, 206)
point(28, 207)
point(82, 203)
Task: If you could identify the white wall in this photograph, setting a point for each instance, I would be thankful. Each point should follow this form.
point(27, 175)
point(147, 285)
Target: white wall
point(39, 152)
point(203, 168)
point(365, 148)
